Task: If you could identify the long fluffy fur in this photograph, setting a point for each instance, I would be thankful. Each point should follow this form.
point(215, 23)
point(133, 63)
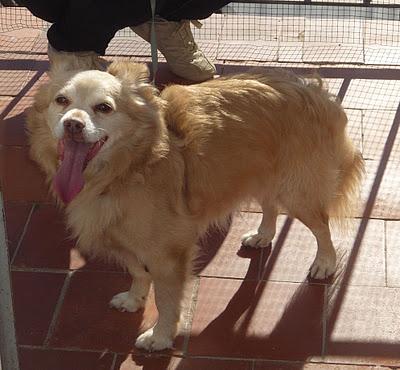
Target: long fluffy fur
point(189, 156)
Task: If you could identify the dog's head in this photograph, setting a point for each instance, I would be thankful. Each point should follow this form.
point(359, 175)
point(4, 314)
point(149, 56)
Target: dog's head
point(84, 120)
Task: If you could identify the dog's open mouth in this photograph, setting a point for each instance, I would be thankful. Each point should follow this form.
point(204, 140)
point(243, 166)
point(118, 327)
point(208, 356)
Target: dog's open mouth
point(74, 157)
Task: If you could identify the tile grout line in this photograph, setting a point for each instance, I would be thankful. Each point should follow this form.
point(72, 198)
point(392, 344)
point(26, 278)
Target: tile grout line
point(40, 269)
point(62, 271)
point(261, 263)
point(22, 236)
point(324, 321)
point(192, 308)
point(54, 320)
point(386, 253)
point(65, 349)
point(276, 281)
point(362, 131)
point(114, 362)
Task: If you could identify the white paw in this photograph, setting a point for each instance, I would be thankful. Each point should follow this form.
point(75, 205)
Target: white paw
point(256, 239)
point(151, 341)
point(125, 302)
point(323, 266)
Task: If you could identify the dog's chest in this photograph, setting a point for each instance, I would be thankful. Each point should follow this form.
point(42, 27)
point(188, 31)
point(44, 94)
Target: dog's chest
point(99, 221)
point(90, 220)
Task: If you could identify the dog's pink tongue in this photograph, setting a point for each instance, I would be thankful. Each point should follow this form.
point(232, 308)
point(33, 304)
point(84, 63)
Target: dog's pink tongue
point(69, 178)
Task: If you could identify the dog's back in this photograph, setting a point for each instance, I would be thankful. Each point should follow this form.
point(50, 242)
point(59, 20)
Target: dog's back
point(269, 134)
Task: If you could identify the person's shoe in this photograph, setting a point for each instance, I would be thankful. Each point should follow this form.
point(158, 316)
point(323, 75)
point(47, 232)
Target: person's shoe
point(175, 41)
point(65, 60)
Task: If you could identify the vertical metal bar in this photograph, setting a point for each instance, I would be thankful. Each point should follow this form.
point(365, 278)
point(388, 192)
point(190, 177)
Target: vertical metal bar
point(8, 342)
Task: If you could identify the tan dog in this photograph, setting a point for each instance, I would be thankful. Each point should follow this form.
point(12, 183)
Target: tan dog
point(143, 175)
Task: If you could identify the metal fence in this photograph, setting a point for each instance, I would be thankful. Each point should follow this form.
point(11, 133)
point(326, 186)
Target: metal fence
point(359, 32)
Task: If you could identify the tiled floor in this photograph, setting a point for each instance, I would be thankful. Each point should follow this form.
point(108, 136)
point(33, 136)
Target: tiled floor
point(245, 310)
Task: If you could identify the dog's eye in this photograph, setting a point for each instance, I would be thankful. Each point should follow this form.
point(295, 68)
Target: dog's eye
point(62, 100)
point(103, 108)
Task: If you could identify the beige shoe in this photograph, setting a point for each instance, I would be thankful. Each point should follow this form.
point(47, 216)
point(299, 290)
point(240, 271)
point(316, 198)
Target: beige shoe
point(63, 60)
point(175, 41)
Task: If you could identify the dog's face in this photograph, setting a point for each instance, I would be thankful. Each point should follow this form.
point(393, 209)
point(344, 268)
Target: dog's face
point(81, 116)
point(90, 114)
point(82, 110)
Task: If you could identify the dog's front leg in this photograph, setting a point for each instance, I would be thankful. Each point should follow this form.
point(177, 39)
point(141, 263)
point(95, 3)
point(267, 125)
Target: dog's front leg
point(135, 298)
point(169, 281)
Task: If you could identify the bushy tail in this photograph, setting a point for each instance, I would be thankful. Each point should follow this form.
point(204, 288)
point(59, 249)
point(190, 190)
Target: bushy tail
point(350, 175)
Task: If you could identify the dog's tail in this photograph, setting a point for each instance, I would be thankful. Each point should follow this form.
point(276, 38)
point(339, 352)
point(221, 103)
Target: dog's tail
point(351, 171)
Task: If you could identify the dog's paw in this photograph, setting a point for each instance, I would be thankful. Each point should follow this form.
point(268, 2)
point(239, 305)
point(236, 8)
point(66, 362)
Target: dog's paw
point(152, 341)
point(124, 302)
point(256, 239)
point(323, 267)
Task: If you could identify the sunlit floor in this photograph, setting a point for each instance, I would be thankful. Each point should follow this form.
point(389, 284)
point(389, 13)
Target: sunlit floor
point(250, 310)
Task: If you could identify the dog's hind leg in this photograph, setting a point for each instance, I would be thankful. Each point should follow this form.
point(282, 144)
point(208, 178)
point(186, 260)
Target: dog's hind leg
point(135, 298)
point(325, 261)
point(267, 229)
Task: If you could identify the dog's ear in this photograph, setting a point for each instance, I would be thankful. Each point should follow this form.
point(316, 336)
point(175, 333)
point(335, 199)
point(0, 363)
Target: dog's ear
point(129, 71)
point(42, 98)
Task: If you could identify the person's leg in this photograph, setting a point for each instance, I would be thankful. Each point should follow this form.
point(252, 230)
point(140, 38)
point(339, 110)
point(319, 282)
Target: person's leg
point(80, 31)
point(80, 26)
point(190, 9)
point(175, 39)
point(48, 10)
point(90, 25)
point(87, 25)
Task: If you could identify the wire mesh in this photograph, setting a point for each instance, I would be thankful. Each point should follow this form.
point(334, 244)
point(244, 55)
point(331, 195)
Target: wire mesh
point(363, 36)
point(356, 34)
point(255, 32)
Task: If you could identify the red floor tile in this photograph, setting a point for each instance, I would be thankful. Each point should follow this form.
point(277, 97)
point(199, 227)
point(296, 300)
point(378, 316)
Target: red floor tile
point(87, 322)
point(221, 254)
point(44, 66)
point(354, 126)
point(21, 179)
point(42, 359)
point(12, 82)
point(393, 253)
point(246, 319)
point(387, 202)
point(4, 102)
point(372, 94)
point(35, 298)
point(47, 244)
point(364, 326)
point(268, 321)
point(376, 128)
point(176, 363)
point(12, 121)
point(294, 249)
point(309, 366)
point(16, 215)
point(18, 40)
point(41, 44)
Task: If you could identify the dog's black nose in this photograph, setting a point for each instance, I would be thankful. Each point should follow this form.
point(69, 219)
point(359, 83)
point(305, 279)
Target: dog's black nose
point(73, 126)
